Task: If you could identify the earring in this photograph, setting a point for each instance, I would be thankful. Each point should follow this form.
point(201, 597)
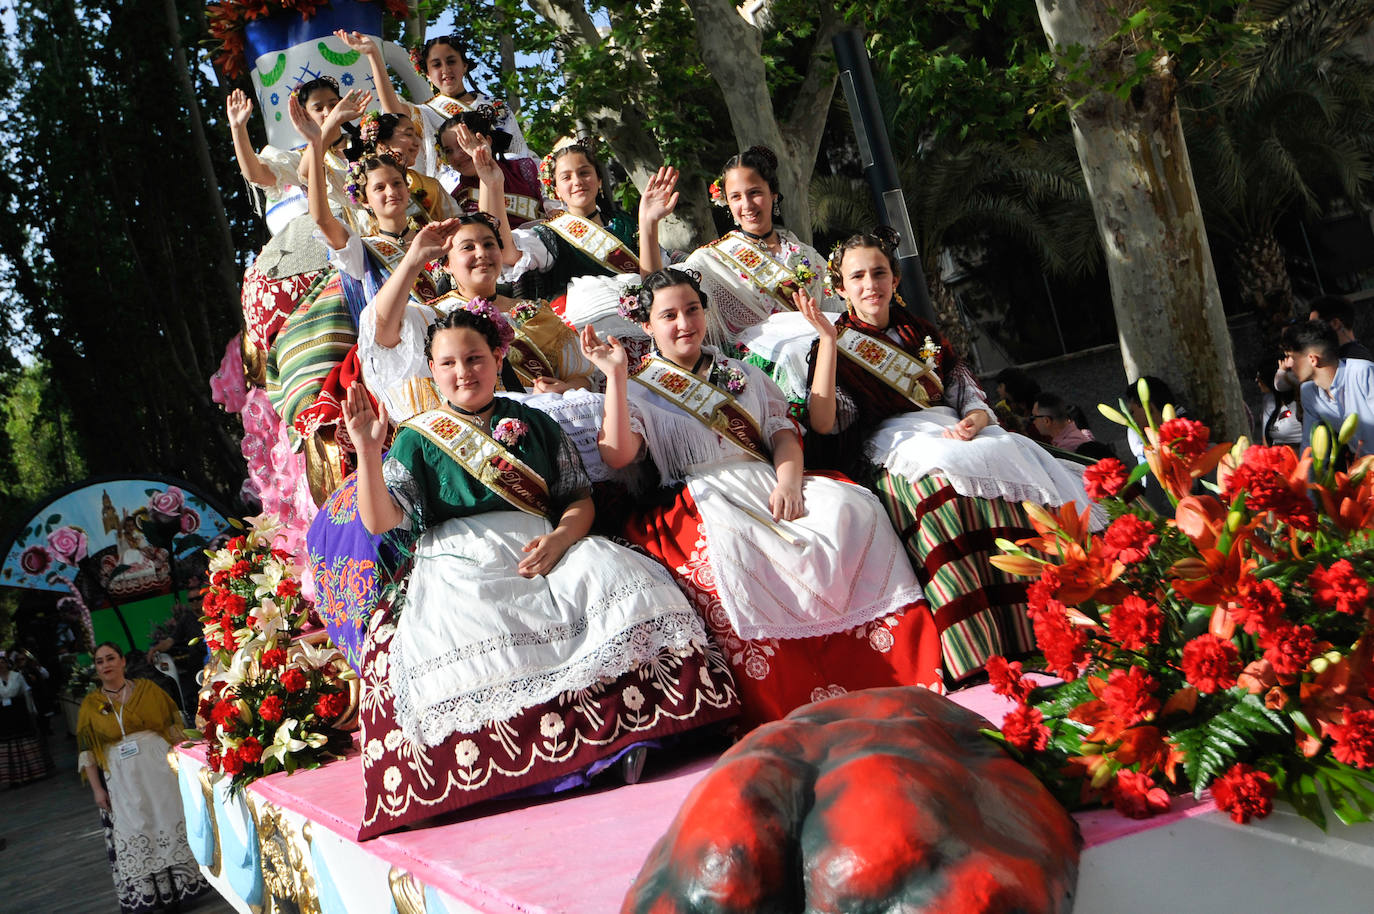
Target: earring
point(777, 207)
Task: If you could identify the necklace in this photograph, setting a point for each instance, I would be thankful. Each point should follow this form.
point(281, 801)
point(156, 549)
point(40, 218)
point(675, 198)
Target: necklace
point(397, 235)
point(472, 413)
point(762, 238)
point(117, 691)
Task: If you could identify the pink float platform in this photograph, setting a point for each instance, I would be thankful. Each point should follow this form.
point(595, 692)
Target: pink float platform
point(577, 852)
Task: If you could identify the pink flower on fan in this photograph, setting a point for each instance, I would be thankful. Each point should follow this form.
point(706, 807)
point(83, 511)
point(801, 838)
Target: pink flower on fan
point(168, 504)
point(68, 544)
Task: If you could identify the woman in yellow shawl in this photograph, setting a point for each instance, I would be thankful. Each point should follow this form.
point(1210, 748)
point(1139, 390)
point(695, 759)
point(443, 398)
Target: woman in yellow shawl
point(124, 732)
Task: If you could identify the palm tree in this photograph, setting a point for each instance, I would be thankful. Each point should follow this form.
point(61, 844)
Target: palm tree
point(1284, 133)
point(966, 194)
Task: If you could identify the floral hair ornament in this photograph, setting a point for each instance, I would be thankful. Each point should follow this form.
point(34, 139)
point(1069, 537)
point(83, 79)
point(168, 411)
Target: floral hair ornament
point(369, 125)
point(630, 306)
point(546, 176)
point(718, 193)
point(504, 331)
point(586, 144)
point(417, 60)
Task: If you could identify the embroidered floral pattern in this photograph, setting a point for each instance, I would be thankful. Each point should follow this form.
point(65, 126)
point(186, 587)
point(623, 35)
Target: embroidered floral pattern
point(729, 377)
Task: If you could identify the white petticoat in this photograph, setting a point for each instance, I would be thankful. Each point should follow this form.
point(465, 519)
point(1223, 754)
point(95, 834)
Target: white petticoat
point(995, 464)
point(851, 569)
point(477, 643)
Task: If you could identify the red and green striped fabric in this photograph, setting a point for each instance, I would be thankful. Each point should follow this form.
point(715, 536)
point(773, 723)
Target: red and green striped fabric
point(979, 610)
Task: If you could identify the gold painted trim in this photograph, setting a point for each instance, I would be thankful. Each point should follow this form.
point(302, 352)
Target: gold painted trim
point(406, 893)
point(207, 790)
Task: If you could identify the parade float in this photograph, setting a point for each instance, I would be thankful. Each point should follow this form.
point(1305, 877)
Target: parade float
point(1212, 740)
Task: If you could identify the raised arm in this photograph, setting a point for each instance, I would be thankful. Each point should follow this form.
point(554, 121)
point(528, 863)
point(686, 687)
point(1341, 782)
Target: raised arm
point(618, 443)
point(316, 184)
point(238, 107)
point(820, 406)
point(386, 93)
point(491, 189)
point(368, 429)
point(389, 304)
point(656, 203)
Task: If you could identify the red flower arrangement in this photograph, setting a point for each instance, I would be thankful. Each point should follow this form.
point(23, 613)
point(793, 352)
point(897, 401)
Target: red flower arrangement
point(227, 18)
point(1230, 646)
point(272, 703)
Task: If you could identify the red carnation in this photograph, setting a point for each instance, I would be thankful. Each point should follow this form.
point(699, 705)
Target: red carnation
point(1268, 476)
point(293, 680)
point(1024, 728)
point(273, 658)
point(231, 604)
point(1288, 648)
point(1211, 663)
point(1354, 739)
point(1105, 478)
point(1129, 539)
point(231, 763)
point(272, 708)
point(1244, 792)
point(1043, 589)
point(1006, 679)
point(250, 751)
point(288, 588)
point(1135, 795)
point(1129, 696)
point(330, 705)
point(1135, 623)
point(235, 544)
point(1063, 644)
point(219, 578)
point(1261, 606)
point(1339, 587)
point(224, 713)
point(241, 569)
point(212, 758)
point(1185, 437)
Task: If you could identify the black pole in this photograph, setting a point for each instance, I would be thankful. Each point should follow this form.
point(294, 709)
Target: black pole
point(875, 151)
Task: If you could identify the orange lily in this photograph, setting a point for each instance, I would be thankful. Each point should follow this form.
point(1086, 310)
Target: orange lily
point(1350, 500)
point(1176, 473)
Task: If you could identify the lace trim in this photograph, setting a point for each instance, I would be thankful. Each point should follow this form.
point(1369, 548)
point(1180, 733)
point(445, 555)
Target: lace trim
point(677, 631)
point(893, 606)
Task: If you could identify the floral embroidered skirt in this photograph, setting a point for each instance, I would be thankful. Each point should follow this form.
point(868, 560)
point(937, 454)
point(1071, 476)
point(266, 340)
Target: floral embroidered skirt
point(774, 675)
point(405, 782)
point(979, 610)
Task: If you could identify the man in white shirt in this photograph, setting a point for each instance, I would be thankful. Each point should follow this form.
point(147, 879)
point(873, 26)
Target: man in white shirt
point(1332, 388)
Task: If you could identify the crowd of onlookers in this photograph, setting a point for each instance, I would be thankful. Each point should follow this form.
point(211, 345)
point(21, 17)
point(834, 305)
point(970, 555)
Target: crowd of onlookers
point(1321, 373)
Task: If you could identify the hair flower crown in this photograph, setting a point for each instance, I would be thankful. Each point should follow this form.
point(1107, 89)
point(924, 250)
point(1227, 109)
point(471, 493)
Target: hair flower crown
point(484, 308)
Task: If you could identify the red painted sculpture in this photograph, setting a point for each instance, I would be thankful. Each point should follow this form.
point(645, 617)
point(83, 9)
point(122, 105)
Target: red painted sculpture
point(881, 800)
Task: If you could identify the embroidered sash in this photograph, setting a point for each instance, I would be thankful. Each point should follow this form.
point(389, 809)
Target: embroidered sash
point(390, 253)
point(910, 377)
point(738, 256)
point(527, 360)
point(596, 242)
point(521, 205)
point(714, 408)
point(486, 460)
point(447, 107)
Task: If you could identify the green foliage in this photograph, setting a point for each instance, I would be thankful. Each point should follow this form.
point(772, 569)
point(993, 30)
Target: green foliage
point(41, 454)
point(1348, 790)
point(1229, 724)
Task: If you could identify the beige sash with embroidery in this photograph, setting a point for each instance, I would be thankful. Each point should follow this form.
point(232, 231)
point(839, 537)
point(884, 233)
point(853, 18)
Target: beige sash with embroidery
point(485, 459)
point(739, 256)
point(596, 242)
point(714, 408)
point(914, 379)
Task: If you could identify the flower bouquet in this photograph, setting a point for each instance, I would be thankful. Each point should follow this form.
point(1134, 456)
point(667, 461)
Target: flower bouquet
point(1227, 647)
point(270, 703)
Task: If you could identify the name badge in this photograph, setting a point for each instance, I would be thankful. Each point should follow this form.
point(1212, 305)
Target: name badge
point(128, 749)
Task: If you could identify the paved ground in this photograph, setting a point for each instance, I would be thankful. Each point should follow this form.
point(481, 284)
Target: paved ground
point(54, 855)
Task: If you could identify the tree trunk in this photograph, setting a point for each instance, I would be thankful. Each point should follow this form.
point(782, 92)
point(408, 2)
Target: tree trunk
point(732, 49)
point(1164, 287)
point(947, 315)
point(1262, 274)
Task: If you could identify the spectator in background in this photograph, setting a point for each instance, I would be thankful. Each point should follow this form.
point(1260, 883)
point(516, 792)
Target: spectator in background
point(1338, 387)
point(1339, 313)
point(1056, 422)
point(1280, 420)
point(1016, 393)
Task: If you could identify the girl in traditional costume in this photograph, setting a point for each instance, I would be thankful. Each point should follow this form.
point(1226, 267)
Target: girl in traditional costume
point(443, 62)
point(754, 270)
point(892, 404)
point(800, 579)
point(124, 730)
point(524, 192)
point(526, 649)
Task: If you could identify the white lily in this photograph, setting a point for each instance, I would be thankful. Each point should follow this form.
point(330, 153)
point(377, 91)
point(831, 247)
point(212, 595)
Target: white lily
point(265, 529)
point(270, 619)
point(268, 579)
point(315, 740)
point(220, 560)
point(283, 742)
point(314, 657)
point(239, 669)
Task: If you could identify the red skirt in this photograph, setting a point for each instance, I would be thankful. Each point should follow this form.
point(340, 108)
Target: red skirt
point(774, 675)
